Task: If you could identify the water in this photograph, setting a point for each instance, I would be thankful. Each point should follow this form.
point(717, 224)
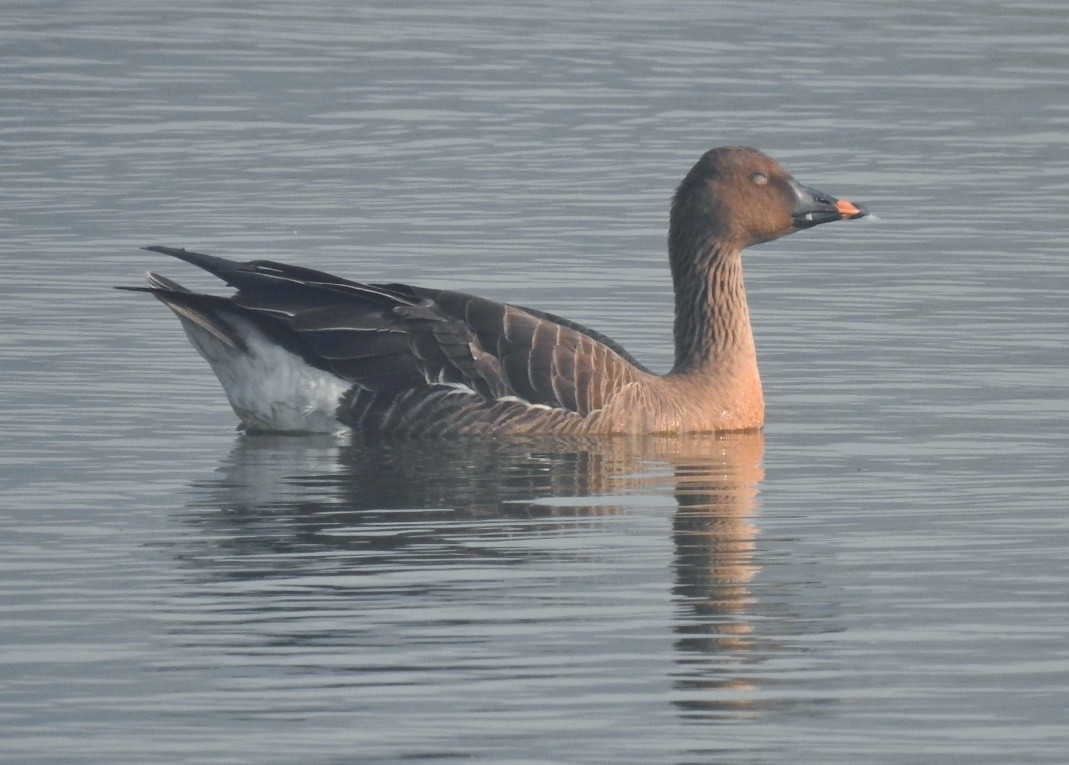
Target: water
point(879, 578)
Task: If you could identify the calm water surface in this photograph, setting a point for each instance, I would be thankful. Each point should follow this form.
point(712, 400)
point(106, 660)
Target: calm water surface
point(879, 577)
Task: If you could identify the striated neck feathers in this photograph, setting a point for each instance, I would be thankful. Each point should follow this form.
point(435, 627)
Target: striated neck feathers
point(712, 322)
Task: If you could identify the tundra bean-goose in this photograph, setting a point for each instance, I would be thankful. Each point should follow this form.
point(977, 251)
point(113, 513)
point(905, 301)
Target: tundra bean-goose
point(299, 350)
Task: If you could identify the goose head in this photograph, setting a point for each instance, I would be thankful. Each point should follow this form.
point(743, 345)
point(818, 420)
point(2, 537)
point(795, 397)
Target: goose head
point(738, 196)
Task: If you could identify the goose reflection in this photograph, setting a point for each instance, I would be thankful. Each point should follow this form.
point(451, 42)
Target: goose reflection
point(323, 508)
point(714, 534)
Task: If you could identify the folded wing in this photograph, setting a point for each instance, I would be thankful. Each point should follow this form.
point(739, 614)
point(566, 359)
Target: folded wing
point(442, 353)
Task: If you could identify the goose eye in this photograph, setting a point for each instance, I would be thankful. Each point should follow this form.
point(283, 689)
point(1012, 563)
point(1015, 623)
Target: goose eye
point(759, 178)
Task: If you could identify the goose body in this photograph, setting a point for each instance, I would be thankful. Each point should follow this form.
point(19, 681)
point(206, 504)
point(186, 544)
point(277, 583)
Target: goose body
point(299, 350)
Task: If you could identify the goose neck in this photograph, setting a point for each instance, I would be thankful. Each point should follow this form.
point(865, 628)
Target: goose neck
point(712, 324)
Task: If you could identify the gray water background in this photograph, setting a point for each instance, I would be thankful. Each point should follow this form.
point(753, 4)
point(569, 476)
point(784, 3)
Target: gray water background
point(881, 577)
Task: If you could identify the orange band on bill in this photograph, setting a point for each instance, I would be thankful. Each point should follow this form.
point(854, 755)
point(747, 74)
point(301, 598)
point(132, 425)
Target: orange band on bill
point(848, 209)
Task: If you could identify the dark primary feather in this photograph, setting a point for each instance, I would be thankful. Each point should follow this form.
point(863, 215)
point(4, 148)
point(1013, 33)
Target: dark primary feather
point(410, 351)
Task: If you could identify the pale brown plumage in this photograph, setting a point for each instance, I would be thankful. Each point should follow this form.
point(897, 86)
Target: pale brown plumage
point(424, 362)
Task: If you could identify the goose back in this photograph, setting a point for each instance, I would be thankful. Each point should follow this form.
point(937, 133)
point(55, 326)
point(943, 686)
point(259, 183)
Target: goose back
point(417, 361)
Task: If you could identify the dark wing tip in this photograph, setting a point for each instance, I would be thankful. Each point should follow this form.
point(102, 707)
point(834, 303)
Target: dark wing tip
point(164, 250)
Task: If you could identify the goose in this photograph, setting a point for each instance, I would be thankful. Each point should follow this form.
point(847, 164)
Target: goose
point(303, 351)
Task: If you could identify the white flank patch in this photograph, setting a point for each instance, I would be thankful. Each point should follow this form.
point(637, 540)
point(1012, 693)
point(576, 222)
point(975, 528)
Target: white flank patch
point(269, 387)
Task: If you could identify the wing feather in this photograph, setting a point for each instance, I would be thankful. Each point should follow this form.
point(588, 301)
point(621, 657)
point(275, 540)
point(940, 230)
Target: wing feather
point(504, 350)
point(413, 350)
